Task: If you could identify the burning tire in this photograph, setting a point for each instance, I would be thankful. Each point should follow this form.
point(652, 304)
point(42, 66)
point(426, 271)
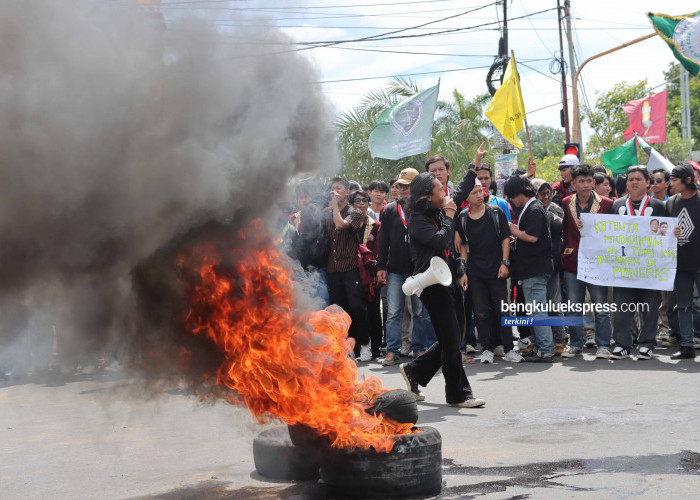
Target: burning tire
point(399, 405)
point(277, 457)
point(411, 468)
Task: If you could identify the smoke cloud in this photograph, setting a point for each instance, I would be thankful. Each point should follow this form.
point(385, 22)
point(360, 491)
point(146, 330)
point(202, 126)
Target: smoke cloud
point(121, 139)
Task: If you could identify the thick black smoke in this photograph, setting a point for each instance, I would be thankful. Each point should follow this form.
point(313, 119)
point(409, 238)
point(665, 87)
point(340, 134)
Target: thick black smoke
point(121, 137)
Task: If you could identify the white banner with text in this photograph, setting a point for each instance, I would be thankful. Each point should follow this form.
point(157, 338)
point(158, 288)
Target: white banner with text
point(628, 251)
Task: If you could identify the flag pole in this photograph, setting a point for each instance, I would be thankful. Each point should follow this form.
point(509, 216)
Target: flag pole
point(527, 129)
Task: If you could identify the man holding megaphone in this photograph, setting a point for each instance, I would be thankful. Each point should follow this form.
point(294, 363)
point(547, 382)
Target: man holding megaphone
point(431, 232)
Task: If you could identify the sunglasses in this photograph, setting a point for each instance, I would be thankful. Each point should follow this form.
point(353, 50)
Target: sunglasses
point(361, 200)
point(659, 180)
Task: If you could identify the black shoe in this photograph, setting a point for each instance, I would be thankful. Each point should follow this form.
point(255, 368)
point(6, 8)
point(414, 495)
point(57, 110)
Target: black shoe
point(411, 384)
point(684, 353)
point(534, 357)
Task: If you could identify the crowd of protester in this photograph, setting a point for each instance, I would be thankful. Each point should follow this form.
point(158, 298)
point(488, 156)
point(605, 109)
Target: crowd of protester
point(363, 243)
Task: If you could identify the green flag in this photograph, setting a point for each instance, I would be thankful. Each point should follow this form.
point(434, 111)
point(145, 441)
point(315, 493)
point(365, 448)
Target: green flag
point(656, 160)
point(682, 34)
point(621, 157)
point(406, 128)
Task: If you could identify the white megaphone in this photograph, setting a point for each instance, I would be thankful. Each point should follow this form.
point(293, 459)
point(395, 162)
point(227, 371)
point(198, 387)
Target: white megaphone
point(438, 272)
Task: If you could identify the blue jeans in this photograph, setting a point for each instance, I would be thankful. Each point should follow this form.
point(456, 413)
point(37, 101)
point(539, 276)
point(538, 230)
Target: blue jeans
point(684, 302)
point(396, 301)
point(576, 290)
point(554, 294)
point(535, 292)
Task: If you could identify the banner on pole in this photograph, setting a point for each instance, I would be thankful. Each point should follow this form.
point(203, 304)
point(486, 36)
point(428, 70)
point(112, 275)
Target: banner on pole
point(647, 117)
point(406, 128)
point(503, 167)
point(628, 251)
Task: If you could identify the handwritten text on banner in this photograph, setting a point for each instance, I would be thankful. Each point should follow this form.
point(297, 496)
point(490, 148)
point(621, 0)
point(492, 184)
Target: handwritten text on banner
point(626, 251)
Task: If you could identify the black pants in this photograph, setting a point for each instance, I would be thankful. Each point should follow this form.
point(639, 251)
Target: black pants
point(375, 323)
point(439, 301)
point(487, 295)
point(345, 290)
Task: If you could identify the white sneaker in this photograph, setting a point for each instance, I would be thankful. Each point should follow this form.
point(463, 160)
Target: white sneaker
point(498, 351)
point(603, 353)
point(524, 343)
point(365, 353)
point(469, 403)
point(487, 357)
point(513, 357)
point(469, 349)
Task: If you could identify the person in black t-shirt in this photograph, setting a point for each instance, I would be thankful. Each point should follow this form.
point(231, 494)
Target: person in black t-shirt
point(482, 238)
point(533, 258)
point(685, 205)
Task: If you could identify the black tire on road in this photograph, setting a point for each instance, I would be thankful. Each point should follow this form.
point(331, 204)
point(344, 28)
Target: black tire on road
point(412, 468)
point(399, 405)
point(277, 457)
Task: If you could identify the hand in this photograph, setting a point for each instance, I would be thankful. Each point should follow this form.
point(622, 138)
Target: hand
point(676, 231)
point(579, 224)
point(335, 198)
point(381, 277)
point(448, 205)
point(503, 271)
point(531, 167)
point(480, 154)
point(513, 229)
point(463, 282)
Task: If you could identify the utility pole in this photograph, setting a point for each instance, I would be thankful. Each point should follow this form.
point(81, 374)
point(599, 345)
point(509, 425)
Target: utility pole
point(504, 51)
point(565, 100)
point(572, 65)
point(685, 104)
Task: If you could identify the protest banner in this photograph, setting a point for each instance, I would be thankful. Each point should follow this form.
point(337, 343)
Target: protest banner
point(626, 251)
point(503, 167)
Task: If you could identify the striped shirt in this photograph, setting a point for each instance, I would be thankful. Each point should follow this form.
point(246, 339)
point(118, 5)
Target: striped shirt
point(343, 256)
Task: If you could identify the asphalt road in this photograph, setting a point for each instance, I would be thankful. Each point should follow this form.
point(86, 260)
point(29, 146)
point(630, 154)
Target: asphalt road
point(579, 428)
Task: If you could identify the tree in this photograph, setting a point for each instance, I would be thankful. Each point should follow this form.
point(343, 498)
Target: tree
point(546, 141)
point(609, 121)
point(354, 127)
point(674, 101)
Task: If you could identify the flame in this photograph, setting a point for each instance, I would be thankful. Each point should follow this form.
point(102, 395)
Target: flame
point(280, 360)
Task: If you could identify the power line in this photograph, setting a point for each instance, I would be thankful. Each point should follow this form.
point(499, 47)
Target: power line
point(297, 6)
point(540, 72)
point(543, 107)
point(403, 74)
point(383, 37)
point(424, 53)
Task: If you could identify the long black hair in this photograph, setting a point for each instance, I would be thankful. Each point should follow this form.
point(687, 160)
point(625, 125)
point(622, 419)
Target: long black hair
point(422, 187)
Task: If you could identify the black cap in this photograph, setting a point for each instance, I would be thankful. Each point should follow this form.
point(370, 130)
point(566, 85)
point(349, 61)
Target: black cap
point(683, 171)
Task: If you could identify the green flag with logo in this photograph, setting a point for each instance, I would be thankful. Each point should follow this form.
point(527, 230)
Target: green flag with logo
point(682, 34)
point(406, 128)
point(622, 157)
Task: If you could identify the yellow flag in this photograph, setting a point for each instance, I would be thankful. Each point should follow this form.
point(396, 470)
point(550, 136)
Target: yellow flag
point(506, 110)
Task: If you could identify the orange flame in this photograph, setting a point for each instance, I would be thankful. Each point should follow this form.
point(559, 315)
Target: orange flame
point(283, 361)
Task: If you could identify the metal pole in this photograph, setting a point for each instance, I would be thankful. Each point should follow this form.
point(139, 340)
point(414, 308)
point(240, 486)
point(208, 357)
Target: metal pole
point(505, 29)
point(684, 125)
point(565, 101)
point(576, 128)
point(572, 71)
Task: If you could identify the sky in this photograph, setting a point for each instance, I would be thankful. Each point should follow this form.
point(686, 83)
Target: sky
point(461, 57)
